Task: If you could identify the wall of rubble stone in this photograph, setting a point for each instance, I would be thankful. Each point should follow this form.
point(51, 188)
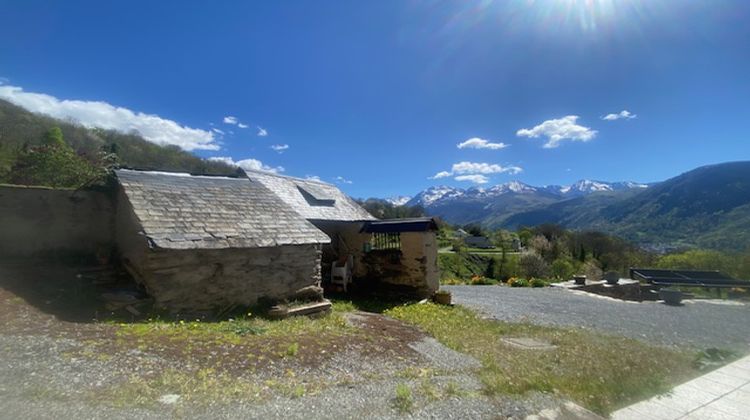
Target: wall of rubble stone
point(215, 279)
point(413, 269)
point(46, 222)
point(345, 240)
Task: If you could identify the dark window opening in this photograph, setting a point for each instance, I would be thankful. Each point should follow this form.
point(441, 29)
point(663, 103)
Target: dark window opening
point(386, 241)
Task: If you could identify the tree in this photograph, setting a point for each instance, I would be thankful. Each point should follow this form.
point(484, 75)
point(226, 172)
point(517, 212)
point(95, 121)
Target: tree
point(699, 259)
point(474, 230)
point(532, 265)
point(54, 164)
point(54, 137)
point(563, 269)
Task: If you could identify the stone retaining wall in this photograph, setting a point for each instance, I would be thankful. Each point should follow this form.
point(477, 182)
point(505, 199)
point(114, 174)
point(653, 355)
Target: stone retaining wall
point(214, 279)
point(46, 222)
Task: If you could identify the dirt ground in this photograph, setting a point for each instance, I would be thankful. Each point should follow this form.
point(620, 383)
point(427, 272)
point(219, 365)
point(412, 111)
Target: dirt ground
point(67, 356)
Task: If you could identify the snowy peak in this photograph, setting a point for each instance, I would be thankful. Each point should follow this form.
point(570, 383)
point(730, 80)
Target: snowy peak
point(587, 186)
point(433, 194)
point(398, 200)
point(442, 193)
point(512, 186)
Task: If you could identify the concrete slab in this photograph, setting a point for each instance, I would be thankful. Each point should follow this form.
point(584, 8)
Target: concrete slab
point(706, 413)
point(528, 343)
point(650, 411)
point(725, 379)
point(736, 404)
point(721, 394)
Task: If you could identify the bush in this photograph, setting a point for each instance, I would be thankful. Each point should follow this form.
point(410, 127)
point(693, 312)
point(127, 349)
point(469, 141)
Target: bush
point(562, 269)
point(592, 271)
point(481, 280)
point(537, 283)
point(533, 265)
point(516, 282)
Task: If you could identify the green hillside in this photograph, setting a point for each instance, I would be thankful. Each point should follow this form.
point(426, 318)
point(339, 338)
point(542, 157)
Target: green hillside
point(21, 130)
point(707, 207)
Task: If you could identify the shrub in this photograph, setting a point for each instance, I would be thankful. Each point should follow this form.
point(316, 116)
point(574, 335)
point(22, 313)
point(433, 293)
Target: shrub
point(537, 283)
point(562, 269)
point(403, 401)
point(516, 282)
point(533, 265)
point(592, 271)
point(481, 280)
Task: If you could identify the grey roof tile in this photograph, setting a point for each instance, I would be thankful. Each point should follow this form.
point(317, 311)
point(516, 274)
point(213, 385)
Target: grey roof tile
point(179, 211)
point(321, 202)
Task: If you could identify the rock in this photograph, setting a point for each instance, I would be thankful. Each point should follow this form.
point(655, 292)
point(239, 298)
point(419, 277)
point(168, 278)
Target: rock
point(169, 399)
point(309, 293)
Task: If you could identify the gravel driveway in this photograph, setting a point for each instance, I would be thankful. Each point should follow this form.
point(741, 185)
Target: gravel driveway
point(697, 324)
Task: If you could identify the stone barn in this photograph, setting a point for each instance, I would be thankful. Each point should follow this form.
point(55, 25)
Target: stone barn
point(205, 242)
point(398, 254)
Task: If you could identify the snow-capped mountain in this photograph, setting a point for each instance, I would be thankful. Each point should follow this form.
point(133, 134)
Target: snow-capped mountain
point(398, 200)
point(442, 194)
point(433, 194)
point(587, 186)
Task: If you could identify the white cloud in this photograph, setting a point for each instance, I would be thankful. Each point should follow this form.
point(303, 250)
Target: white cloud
point(477, 143)
point(475, 171)
point(476, 178)
point(624, 114)
point(342, 180)
point(313, 178)
point(4, 80)
point(229, 119)
point(217, 131)
point(104, 115)
point(557, 130)
point(441, 174)
point(482, 168)
point(262, 131)
point(279, 147)
point(248, 164)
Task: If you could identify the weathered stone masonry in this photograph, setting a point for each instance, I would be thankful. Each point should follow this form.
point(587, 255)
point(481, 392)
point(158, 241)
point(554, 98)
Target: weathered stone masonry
point(46, 222)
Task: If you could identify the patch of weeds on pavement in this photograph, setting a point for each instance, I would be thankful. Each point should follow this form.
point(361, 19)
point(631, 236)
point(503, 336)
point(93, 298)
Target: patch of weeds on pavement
point(413, 372)
point(205, 385)
point(713, 358)
point(430, 391)
point(452, 389)
point(404, 401)
point(598, 371)
point(292, 350)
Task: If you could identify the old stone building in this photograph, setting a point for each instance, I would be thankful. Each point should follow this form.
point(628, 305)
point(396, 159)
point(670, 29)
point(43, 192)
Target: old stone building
point(205, 242)
point(199, 242)
point(400, 254)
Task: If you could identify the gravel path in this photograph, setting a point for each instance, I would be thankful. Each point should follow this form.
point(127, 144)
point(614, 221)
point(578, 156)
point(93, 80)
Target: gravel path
point(697, 324)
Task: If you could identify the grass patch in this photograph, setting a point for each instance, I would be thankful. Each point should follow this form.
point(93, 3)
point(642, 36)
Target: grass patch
point(197, 387)
point(235, 330)
point(598, 371)
point(404, 401)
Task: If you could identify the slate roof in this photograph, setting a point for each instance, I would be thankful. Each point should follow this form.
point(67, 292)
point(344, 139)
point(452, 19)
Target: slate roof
point(314, 200)
point(181, 211)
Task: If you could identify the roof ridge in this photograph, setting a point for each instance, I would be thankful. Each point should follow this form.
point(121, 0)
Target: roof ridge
point(316, 181)
point(179, 174)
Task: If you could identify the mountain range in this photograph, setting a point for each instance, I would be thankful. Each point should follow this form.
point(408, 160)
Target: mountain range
point(706, 207)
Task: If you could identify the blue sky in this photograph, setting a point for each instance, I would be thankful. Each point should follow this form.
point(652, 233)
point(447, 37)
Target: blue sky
point(377, 95)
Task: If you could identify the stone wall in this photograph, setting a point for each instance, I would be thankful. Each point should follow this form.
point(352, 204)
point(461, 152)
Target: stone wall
point(345, 240)
point(46, 222)
point(211, 279)
point(413, 269)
